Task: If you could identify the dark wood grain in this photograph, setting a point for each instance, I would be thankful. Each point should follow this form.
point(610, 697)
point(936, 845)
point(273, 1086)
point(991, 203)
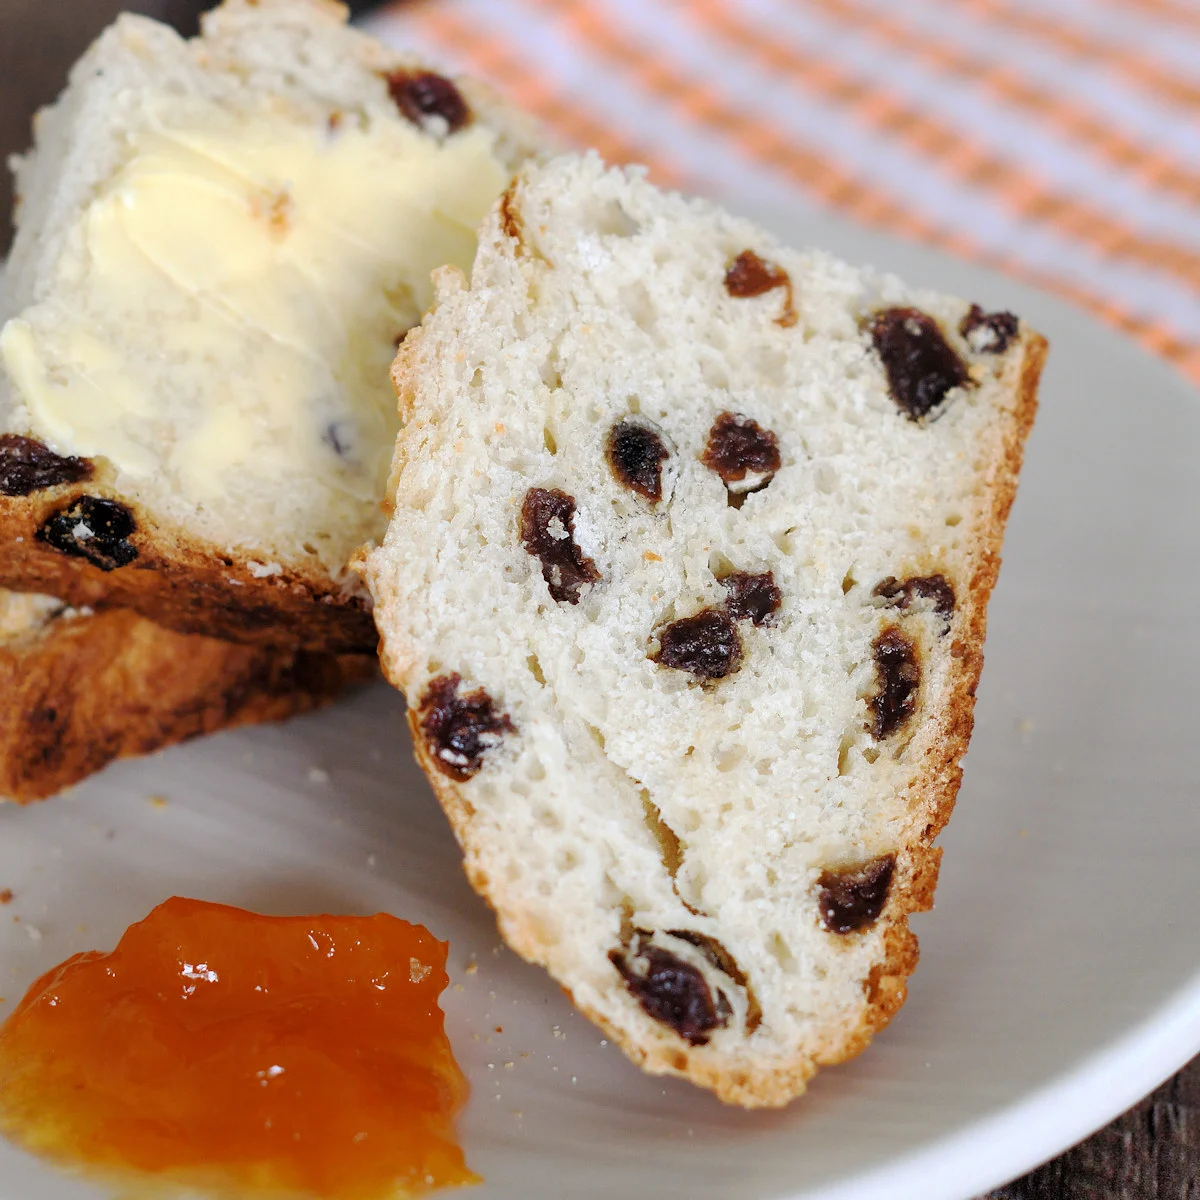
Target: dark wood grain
point(1151, 1153)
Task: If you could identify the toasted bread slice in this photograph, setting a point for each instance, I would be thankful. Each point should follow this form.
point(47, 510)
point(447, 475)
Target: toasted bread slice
point(79, 689)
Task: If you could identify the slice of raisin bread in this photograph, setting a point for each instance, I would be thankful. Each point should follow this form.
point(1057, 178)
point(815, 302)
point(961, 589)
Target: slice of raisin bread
point(220, 242)
point(79, 689)
point(686, 578)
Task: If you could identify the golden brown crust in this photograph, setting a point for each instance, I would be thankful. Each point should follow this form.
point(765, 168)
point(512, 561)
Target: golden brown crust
point(83, 690)
point(936, 788)
point(178, 582)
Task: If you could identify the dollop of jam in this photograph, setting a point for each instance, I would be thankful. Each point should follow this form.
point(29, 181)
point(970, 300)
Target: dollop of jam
point(852, 898)
point(922, 367)
point(459, 730)
point(423, 94)
point(547, 531)
point(27, 465)
point(748, 275)
point(217, 1048)
point(707, 645)
point(636, 454)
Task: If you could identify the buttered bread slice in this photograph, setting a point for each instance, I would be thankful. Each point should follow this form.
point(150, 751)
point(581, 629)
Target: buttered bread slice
point(685, 582)
point(79, 689)
point(220, 244)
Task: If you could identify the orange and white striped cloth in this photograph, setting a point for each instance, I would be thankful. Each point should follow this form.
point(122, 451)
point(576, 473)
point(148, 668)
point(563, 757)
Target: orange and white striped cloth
point(1057, 139)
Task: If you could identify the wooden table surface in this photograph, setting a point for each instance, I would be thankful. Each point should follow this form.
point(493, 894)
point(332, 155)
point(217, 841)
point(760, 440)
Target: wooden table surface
point(1151, 1153)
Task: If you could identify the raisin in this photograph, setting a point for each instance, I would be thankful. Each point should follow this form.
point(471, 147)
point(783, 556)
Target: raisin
point(853, 897)
point(671, 991)
point(749, 275)
point(752, 597)
point(712, 950)
point(28, 466)
point(899, 676)
point(922, 367)
point(94, 529)
point(636, 455)
point(547, 530)
point(989, 333)
point(707, 645)
point(900, 593)
point(423, 94)
point(460, 729)
point(737, 447)
point(719, 957)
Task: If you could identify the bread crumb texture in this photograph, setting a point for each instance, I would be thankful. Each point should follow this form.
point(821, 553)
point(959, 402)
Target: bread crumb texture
point(688, 603)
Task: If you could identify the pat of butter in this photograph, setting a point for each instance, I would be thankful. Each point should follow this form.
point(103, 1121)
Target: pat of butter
point(67, 393)
point(230, 302)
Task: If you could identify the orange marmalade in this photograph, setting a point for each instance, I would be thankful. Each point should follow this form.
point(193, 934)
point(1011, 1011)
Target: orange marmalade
point(222, 1049)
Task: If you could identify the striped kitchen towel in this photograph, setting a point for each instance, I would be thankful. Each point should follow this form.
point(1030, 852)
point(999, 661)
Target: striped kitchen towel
point(1057, 139)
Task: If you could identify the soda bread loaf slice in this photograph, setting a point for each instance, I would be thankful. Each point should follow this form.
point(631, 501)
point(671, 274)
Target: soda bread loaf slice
point(78, 689)
point(220, 243)
point(686, 578)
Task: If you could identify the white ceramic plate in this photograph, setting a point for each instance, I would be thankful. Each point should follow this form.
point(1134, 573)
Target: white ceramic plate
point(1060, 974)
